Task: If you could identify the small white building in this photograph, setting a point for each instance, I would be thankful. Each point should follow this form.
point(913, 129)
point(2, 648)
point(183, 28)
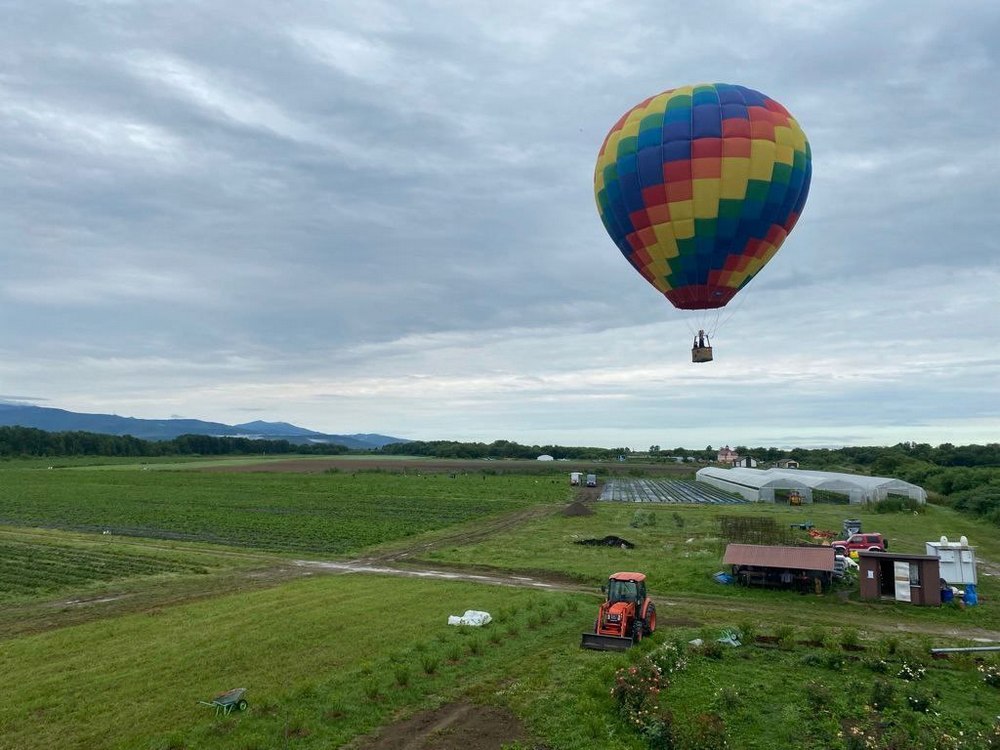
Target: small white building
point(746, 462)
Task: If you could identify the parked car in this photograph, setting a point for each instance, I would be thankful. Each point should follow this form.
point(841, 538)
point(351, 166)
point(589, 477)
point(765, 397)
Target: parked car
point(873, 542)
point(591, 480)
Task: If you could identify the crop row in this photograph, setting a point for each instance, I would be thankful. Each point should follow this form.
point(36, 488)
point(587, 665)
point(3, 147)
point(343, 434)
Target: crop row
point(330, 513)
point(28, 568)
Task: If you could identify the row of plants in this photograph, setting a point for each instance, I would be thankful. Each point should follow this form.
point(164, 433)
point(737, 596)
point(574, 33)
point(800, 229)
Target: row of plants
point(330, 514)
point(39, 567)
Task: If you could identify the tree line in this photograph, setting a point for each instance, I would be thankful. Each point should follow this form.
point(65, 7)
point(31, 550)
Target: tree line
point(29, 441)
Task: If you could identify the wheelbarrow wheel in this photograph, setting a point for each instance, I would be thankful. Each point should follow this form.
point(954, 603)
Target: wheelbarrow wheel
point(242, 704)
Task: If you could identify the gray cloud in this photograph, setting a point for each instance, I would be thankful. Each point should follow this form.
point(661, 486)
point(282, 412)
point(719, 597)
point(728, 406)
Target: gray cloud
point(384, 219)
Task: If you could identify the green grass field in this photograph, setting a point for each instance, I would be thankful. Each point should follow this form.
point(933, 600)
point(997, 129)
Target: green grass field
point(333, 513)
point(165, 622)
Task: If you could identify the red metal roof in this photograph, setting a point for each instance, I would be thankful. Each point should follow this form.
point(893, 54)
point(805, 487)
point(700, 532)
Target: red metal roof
point(765, 556)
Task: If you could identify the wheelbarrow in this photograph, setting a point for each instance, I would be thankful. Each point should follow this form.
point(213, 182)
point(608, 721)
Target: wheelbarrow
point(226, 703)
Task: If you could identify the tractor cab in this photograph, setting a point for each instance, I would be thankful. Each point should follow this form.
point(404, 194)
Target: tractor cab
point(626, 590)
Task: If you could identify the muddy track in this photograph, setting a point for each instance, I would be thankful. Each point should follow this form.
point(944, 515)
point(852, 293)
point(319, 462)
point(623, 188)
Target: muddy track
point(483, 530)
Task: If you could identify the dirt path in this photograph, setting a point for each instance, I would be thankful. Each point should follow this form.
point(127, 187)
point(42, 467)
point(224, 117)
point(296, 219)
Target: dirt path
point(456, 726)
point(483, 530)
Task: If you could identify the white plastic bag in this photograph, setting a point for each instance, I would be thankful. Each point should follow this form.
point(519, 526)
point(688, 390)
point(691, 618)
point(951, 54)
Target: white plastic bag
point(472, 617)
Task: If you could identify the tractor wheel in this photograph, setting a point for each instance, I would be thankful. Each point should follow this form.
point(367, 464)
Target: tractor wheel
point(242, 705)
point(650, 620)
point(637, 628)
point(595, 624)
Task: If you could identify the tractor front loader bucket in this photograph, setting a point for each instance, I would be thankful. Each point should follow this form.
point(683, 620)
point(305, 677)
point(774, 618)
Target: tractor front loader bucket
point(605, 642)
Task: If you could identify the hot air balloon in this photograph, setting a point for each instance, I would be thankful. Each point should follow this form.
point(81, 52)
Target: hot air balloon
point(698, 187)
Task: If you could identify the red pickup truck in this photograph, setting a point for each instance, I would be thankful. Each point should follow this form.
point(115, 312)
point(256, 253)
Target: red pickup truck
point(873, 542)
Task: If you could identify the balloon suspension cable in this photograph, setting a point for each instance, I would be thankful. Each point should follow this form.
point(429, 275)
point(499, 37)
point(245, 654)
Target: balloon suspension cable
point(742, 297)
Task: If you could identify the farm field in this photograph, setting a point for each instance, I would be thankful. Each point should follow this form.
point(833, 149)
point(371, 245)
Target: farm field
point(329, 513)
point(350, 660)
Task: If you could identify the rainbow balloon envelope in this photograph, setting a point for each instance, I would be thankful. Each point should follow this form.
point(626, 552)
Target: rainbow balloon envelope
point(699, 186)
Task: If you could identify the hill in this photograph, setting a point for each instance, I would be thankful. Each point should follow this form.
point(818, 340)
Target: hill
point(60, 420)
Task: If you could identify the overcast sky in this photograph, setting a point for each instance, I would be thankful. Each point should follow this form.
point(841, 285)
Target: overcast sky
point(379, 217)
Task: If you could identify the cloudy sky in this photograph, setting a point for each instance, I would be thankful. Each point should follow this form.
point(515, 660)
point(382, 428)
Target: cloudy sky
point(379, 217)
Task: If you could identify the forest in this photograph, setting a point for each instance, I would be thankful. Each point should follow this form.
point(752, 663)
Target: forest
point(23, 442)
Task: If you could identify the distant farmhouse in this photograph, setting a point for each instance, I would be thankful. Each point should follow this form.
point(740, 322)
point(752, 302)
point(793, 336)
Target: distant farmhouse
point(729, 457)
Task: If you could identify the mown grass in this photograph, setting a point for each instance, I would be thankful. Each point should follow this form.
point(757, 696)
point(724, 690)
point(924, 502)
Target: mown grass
point(327, 514)
point(321, 656)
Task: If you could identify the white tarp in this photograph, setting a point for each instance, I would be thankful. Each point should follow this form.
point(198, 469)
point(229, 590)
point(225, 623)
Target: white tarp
point(472, 617)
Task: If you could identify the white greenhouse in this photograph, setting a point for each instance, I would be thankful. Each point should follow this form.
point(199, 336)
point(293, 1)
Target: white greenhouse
point(759, 485)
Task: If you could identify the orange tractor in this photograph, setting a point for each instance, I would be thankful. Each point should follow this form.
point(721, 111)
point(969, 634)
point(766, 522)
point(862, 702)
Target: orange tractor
point(626, 615)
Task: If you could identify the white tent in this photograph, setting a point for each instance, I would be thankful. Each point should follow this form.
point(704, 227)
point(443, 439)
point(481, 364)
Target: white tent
point(757, 484)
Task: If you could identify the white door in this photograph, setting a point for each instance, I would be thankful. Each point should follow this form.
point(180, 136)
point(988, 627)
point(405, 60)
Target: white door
point(901, 575)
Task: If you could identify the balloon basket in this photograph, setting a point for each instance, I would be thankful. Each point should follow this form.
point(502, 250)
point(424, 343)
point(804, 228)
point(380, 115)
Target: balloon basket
point(701, 354)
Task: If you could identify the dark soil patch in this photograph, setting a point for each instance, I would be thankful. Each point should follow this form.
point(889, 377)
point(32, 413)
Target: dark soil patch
point(457, 726)
point(578, 509)
point(608, 541)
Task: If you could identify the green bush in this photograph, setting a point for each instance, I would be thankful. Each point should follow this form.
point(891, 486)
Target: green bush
point(817, 635)
point(876, 664)
point(642, 518)
point(818, 695)
point(402, 674)
point(849, 638)
point(882, 694)
point(991, 674)
point(786, 637)
point(748, 631)
point(708, 733)
point(919, 701)
point(429, 662)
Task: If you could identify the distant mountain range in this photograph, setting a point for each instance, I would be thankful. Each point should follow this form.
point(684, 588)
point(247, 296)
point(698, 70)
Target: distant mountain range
point(60, 420)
